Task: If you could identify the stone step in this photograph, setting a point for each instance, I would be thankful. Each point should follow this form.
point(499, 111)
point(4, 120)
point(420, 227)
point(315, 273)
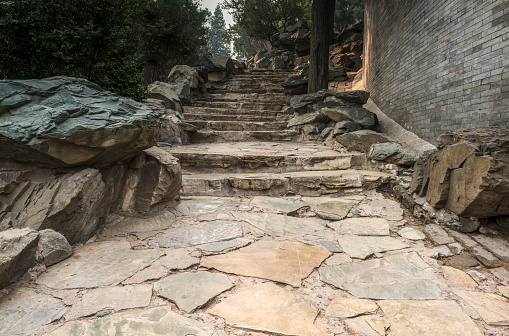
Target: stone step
point(250, 86)
point(239, 126)
point(229, 99)
point(228, 117)
point(308, 183)
point(244, 157)
point(206, 136)
point(231, 111)
point(248, 91)
point(240, 105)
point(250, 96)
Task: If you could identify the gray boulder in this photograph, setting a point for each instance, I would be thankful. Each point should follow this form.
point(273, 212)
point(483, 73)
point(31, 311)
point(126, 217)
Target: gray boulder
point(17, 254)
point(308, 118)
point(64, 121)
point(362, 140)
point(295, 85)
point(297, 26)
point(183, 74)
point(316, 100)
point(343, 127)
point(263, 63)
point(165, 92)
point(280, 62)
point(359, 115)
point(337, 74)
point(393, 152)
point(53, 247)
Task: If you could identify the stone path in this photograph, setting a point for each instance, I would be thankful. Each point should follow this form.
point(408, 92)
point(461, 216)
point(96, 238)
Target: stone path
point(242, 256)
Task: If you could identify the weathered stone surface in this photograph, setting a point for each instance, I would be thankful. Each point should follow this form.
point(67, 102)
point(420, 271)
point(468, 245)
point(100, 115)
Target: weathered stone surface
point(362, 140)
point(342, 307)
point(279, 205)
point(183, 74)
point(164, 92)
point(437, 317)
point(98, 264)
point(214, 248)
point(53, 247)
point(331, 208)
point(295, 85)
point(286, 262)
point(456, 278)
point(501, 273)
point(496, 245)
point(504, 290)
point(282, 226)
point(412, 234)
point(111, 299)
point(146, 321)
point(23, 311)
point(266, 307)
point(203, 233)
point(363, 246)
point(443, 251)
point(315, 101)
point(155, 177)
point(330, 246)
point(462, 261)
point(392, 152)
point(437, 235)
point(486, 257)
point(17, 254)
point(308, 118)
point(361, 226)
point(359, 115)
point(161, 221)
point(198, 207)
point(399, 276)
point(64, 121)
point(493, 309)
point(360, 326)
point(191, 291)
point(386, 208)
point(343, 127)
point(465, 240)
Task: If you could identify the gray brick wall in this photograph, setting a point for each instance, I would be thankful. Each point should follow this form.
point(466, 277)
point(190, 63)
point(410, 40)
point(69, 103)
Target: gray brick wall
point(438, 65)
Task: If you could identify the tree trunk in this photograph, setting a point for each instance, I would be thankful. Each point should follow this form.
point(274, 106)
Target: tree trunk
point(322, 30)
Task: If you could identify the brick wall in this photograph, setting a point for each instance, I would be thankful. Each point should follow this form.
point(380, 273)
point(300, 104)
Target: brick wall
point(438, 65)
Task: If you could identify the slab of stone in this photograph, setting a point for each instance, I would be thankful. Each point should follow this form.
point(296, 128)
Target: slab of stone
point(436, 317)
point(342, 307)
point(463, 239)
point(160, 222)
point(411, 234)
point(282, 226)
point(331, 246)
point(203, 233)
point(286, 262)
point(498, 246)
point(361, 226)
point(456, 278)
point(443, 251)
point(363, 246)
point(485, 257)
point(398, 276)
point(193, 290)
point(332, 208)
point(437, 235)
point(267, 307)
point(455, 248)
point(111, 298)
point(214, 248)
point(23, 311)
point(360, 326)
point(146, 321)
point(504, 290)
point(386, 208)
point(338, 259)
point(493, 309)
point(279, 205)
point(98, 264)
point(462, 261)
point(501, 273)
point(204, 206)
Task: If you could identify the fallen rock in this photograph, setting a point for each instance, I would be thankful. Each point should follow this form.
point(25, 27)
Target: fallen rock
point(308, 118)
point(392, 152)
point(155, 177)
point(164, 92)
point(220, 68)
point(183, 74)
point(64, 121)
point(362, 140)
point(53, 247)
point(17, 254)
point(295, 85)
point(359, 115)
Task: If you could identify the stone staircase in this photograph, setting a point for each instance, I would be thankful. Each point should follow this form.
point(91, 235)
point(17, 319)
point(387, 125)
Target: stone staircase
point(243, 147)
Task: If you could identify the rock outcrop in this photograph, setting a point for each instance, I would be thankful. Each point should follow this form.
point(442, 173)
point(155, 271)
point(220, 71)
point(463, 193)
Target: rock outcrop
point(65, 122)
point(346, 51)
point(184, 81)
point(468, 174)
point(17, 254)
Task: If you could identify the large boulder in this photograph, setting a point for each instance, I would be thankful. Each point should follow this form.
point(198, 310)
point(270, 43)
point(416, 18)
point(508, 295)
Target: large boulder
point(362, 140)
point(359, 115)
point(184, 74)
point(17, 254)
point(317, 100)
point(302, 41)
point(164, 92)
point(53, 247)
point(219, 67)
point(295, 85)
point(64, 121)
point(393, 152)
point(154, 177)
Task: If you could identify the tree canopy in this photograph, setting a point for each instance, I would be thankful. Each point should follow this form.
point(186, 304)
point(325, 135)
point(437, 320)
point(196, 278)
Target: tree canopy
point(260, 19)
point(218, 42)
point(347, 13)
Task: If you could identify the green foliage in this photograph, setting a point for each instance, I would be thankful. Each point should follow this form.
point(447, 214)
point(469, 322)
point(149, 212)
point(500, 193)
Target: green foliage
point(348, 13)
point(218, 42)
point(243, 45)
point(260, 19)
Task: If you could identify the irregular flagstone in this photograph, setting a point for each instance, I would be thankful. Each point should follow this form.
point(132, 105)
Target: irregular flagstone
point(269, 308)
point(204, 206)
point(203, 233)
point(498, 246)
point(378, 323)
point(221, 246)
point(191, 291)
point(504, 290)
point(127, 225)
point(493, 309)
point(457, 278)
point(437, 235)
point(23, 311)
point(411, 234)
point(330, 246)
point(342, 307)
point(363, 246)
point(111, 298)
point(434, 317)
point(282, 226)
point(332, 208)
point(146, 321)
point(360, 326)
point(286, 262)
point(399, 276)
point(280, 205)
point(361, 226)
point(501, 273)
point(386, 208)
point(98, 264)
